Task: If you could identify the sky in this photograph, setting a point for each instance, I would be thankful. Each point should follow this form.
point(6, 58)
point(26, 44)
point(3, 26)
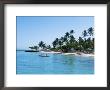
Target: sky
point(33, 29)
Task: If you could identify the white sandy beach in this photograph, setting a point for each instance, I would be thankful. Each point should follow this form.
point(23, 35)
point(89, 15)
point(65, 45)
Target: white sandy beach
point(50, 52)
point(88, 55)
point(82, 54)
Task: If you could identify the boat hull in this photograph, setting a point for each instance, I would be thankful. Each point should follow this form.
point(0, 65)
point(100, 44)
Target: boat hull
point(30, 51)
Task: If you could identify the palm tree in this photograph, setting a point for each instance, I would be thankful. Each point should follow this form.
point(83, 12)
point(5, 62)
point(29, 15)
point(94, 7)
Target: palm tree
point(91, 31)
point(41, 44)
point(76, 43)
point(81, 41)
point(54, 44)
point(62, 39)
point(89, 45)
point(72, 38)
point(84, 33)
point(31, 47)
point(92, 41)
point(57, 40)
point(67, 34)
point(72, 31)
point(65, 39)
point(36, 47)
point(60, 43)
point(71, 41)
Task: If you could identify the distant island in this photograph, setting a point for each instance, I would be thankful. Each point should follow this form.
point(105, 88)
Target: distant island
point(69, 44)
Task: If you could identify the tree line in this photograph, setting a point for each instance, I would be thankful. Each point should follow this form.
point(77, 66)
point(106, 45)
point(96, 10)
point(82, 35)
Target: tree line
point(68, 43)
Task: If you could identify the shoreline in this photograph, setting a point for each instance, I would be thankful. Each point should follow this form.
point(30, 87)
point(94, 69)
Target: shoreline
point(75, 53)
point(82, 54)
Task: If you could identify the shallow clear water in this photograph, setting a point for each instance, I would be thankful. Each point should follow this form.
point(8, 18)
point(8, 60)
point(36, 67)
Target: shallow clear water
point(32, 63)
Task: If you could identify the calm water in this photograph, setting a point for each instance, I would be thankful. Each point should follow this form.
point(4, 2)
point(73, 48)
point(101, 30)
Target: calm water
point(32, 63)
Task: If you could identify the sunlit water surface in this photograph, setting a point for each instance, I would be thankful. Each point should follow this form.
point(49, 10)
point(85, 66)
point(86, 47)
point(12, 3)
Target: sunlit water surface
point(32, 63)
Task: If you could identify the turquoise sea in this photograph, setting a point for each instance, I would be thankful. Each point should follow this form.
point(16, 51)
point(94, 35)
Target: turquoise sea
point(32, 63)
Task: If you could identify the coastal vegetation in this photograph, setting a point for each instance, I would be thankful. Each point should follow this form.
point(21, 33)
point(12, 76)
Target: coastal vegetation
point(68, 43)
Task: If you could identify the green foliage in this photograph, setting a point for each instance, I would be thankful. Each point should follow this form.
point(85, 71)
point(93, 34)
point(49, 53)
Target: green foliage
point(68, 42)
point(34, 47)
point(85, 33)
point(91, 31)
